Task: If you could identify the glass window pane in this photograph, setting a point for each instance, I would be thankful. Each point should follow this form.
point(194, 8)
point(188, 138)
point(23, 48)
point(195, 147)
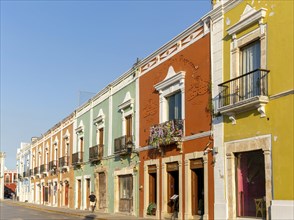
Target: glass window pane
point(175, 106)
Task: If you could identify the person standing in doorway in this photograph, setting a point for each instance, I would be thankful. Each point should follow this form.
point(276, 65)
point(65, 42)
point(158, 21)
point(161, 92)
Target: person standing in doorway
point(93, 199)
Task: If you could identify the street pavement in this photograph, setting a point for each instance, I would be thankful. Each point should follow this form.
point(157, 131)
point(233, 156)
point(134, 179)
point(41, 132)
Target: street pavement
point(65, 212)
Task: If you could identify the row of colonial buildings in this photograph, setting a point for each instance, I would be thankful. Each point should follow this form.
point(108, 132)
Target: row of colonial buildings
point(205, 121)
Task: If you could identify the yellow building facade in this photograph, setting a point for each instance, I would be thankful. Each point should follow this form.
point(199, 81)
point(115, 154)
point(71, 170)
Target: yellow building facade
point(255, 101)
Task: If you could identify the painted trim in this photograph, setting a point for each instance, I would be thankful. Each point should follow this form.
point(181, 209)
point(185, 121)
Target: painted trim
point(242, 145)
point(248, 17)
point(281, 94)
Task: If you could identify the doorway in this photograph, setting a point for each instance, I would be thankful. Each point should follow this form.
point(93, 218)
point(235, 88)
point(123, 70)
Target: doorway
point(197, 186)
point(102, 191)
point(66, 195)
point(79, 193)
point(88, 183)
point(125, 193)
point(172, 185)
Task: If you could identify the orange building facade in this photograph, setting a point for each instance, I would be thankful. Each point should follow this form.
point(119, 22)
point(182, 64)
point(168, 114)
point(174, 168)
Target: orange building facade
point(51, 175)
point(176, 158)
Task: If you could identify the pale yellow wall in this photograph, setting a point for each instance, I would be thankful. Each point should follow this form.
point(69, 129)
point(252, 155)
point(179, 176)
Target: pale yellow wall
point(279, 112)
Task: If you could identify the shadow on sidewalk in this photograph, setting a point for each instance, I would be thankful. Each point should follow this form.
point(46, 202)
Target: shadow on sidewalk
point(89, 217)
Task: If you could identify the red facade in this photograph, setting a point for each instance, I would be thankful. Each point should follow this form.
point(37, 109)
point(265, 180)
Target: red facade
point(175, 129)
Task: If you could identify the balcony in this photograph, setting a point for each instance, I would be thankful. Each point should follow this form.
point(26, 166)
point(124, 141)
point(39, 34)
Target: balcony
point(26, 173)
point(44, 169)
point(53, 165)
point(96, 152)
point(169, 132)
point(123, 144)
point(64, 161)
point(19, 177)
point(77, 158)
point(37, 171)
point(246, 92)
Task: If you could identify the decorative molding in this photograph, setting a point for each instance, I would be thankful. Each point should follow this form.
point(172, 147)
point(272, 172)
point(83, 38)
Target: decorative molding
point(171, 78)
point(282, 94)
point(174, 46)
point(66, 135)
point(232, 119)
point(256, 102)
point(249, 16)
point(261, 110)
point(80, 128)
point(127, 102)
point(100, 117)
point(197, 136)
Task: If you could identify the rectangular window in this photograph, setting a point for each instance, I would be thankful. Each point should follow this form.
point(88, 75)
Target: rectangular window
point(250, 63)
point(81, 144)
point(101, 135)
point(174, 106)
point(250, 182)
point(101, 142)
point(129, 126)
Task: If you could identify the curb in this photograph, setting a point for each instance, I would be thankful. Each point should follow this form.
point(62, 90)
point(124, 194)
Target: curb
point(44, 209)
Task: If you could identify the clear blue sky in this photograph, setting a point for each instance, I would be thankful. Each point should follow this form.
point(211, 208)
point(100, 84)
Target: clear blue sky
point(52, 50)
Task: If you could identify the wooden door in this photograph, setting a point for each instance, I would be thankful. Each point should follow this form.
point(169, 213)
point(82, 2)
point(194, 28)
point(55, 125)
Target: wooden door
point(194, 193)
point(102, 191)
point(66, 195)
point(87, 193)
point(43, 194)
point(79, 193)
point(126, 193)
point(152, 184)
point(171, 191)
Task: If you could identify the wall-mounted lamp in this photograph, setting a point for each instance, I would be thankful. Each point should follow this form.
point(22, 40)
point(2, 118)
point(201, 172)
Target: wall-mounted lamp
point(129, 146)
point(213, 150)
point(61, 183)
point(66, 182)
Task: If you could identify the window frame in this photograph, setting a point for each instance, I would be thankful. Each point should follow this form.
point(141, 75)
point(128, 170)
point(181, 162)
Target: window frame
point(173, 83)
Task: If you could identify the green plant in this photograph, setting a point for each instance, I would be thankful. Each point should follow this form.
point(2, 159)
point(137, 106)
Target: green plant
point(166, 133)
point(151, 209)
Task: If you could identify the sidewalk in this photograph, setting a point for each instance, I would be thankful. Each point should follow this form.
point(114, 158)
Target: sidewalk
point(74, 212)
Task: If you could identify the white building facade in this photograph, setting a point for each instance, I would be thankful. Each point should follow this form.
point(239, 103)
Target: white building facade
point(2, 165)
point(23, 171)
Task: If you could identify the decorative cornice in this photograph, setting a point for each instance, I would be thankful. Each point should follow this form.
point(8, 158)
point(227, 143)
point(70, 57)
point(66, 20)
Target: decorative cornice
point(282, 94)
point(249, 17)
point(196, 136)
point(174, 46)
point(170, 80)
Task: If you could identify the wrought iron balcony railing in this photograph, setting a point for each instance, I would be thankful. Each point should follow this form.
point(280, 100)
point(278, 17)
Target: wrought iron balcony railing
point(123, 144)
point(77, 158)
point(64, 161)
point(26, 173)
point(53, 165)
point(166, 133)
point(44, 168)
point(36, 170)
point(96, 152)
point(244, 87)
